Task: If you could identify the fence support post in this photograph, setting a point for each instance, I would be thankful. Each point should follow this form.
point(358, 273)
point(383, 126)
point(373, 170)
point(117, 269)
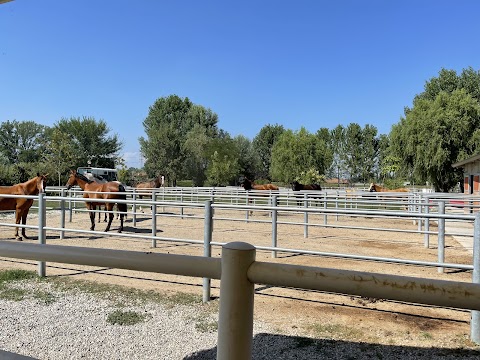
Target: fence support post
point(274, 225)
point(70, 206)
point(235, 324)
point(305, 216)
point(207, 248)
point(62, 213)
point(325, 220)
point(475, 314)
point(441, 235)
point(42, 214)
point(426, 227)
point(134, 207)
point(154, 219)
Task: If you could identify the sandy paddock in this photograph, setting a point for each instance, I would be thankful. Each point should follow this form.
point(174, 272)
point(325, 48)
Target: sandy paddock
point(374, 320)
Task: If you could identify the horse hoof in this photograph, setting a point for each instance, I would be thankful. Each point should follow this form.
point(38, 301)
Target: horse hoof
point(19, 238)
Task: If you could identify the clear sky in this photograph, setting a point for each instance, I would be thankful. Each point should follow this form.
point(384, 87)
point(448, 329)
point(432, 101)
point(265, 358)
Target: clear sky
point(295, 63)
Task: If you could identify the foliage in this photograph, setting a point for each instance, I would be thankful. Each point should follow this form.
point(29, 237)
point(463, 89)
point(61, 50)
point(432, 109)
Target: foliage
point(436, 133)
point(223, 162)
point(311, 176)
point(171, 137)
point(262, 145)
point(85, 141)
point(297, 152)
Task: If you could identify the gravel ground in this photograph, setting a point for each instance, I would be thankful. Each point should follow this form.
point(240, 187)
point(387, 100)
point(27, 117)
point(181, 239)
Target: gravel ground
point(73, 325)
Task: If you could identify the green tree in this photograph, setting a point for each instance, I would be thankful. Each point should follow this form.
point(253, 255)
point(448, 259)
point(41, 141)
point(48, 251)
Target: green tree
point(436, 133)
point(248, 158)
point(90, 142)
point(297, 152)
point(263, 144)
point(223, 167)
point(59, 156)
point(167, 125)
point(21, 141)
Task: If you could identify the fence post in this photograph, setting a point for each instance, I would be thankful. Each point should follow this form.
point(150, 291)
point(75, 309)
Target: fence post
point(154, 220)
point(336, 206)
point(207, 248)
point(305, 216)
point(70, 206)
point(475, 314)
point(41, 230)
point(441, 235)
point(247, 203)
point(62, 213)
point(426, 235)
point(235, 324)
point(181, 207)
point(325, 220)
point(274, 225)
point(134, 207)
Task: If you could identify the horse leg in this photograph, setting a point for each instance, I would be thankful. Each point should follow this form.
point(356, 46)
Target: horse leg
point(24, 221)
point(18, 216)
point(105, 218)
point(109, 207)
point(121, 222)
point(92, 216)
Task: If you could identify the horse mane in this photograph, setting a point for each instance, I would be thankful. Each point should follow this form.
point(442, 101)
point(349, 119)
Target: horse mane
point(83, 177)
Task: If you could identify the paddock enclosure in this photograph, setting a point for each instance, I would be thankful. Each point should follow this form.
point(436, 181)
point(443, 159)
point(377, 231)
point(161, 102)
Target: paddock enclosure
point(396, 234)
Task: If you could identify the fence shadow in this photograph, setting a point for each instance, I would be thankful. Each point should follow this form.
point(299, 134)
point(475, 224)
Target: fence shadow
point(281, 347)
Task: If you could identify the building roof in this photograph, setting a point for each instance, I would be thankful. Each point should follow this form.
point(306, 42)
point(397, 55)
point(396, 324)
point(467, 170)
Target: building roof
point(466, 161)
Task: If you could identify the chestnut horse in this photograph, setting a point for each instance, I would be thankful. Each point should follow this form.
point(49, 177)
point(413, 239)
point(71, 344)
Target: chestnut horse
point(250, 185)
point(21, 205)
point(153, 184)
point(377, 188)
point(98, 191)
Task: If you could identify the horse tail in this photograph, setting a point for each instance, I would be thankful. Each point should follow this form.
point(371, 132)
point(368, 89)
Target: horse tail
point(122, 207)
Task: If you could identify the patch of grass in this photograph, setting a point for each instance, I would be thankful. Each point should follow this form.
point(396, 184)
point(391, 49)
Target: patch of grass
point(119, 317)
point(44, 297)
point(426, 335)
point(12, 294)
point(182, 298)
point(16, 275)
point(204, 325)
point(335, 331)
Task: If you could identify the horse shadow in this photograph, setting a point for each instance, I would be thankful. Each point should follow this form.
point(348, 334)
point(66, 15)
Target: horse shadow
point(267, 346)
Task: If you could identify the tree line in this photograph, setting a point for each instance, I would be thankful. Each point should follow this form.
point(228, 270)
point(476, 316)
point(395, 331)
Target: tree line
point(183, 141)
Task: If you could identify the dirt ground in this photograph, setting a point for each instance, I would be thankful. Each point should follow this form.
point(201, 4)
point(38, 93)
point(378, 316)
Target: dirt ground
point(292, 311)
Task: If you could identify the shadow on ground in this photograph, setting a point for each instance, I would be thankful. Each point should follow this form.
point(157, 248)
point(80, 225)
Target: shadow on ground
point(279, 347)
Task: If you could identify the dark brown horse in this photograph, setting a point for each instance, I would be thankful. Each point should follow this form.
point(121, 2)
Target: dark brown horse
point(250, 185)
point(21, 205)
point(296, 186)
point(144, 186)
point(97, 192)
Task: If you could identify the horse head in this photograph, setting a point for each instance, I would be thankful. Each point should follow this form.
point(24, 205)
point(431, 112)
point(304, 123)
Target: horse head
point(373, 187)
point(41, 182)
point(246, 184)
point(72, 179)
point(295, 186)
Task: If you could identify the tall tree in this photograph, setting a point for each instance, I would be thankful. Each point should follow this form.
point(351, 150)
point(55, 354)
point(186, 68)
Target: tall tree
point(436, 133)
point(90, 142)
point(263, 144)
point(298, 152)
point(167, 124)
point(21, 141)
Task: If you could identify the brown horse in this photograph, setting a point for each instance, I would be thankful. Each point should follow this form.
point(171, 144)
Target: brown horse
point(21, 205)
point(98, 191)
point(377, 188)
point(144, 186)
point(250, 185)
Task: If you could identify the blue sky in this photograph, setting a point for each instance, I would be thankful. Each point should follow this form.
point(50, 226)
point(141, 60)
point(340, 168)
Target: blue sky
point(294, 63)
